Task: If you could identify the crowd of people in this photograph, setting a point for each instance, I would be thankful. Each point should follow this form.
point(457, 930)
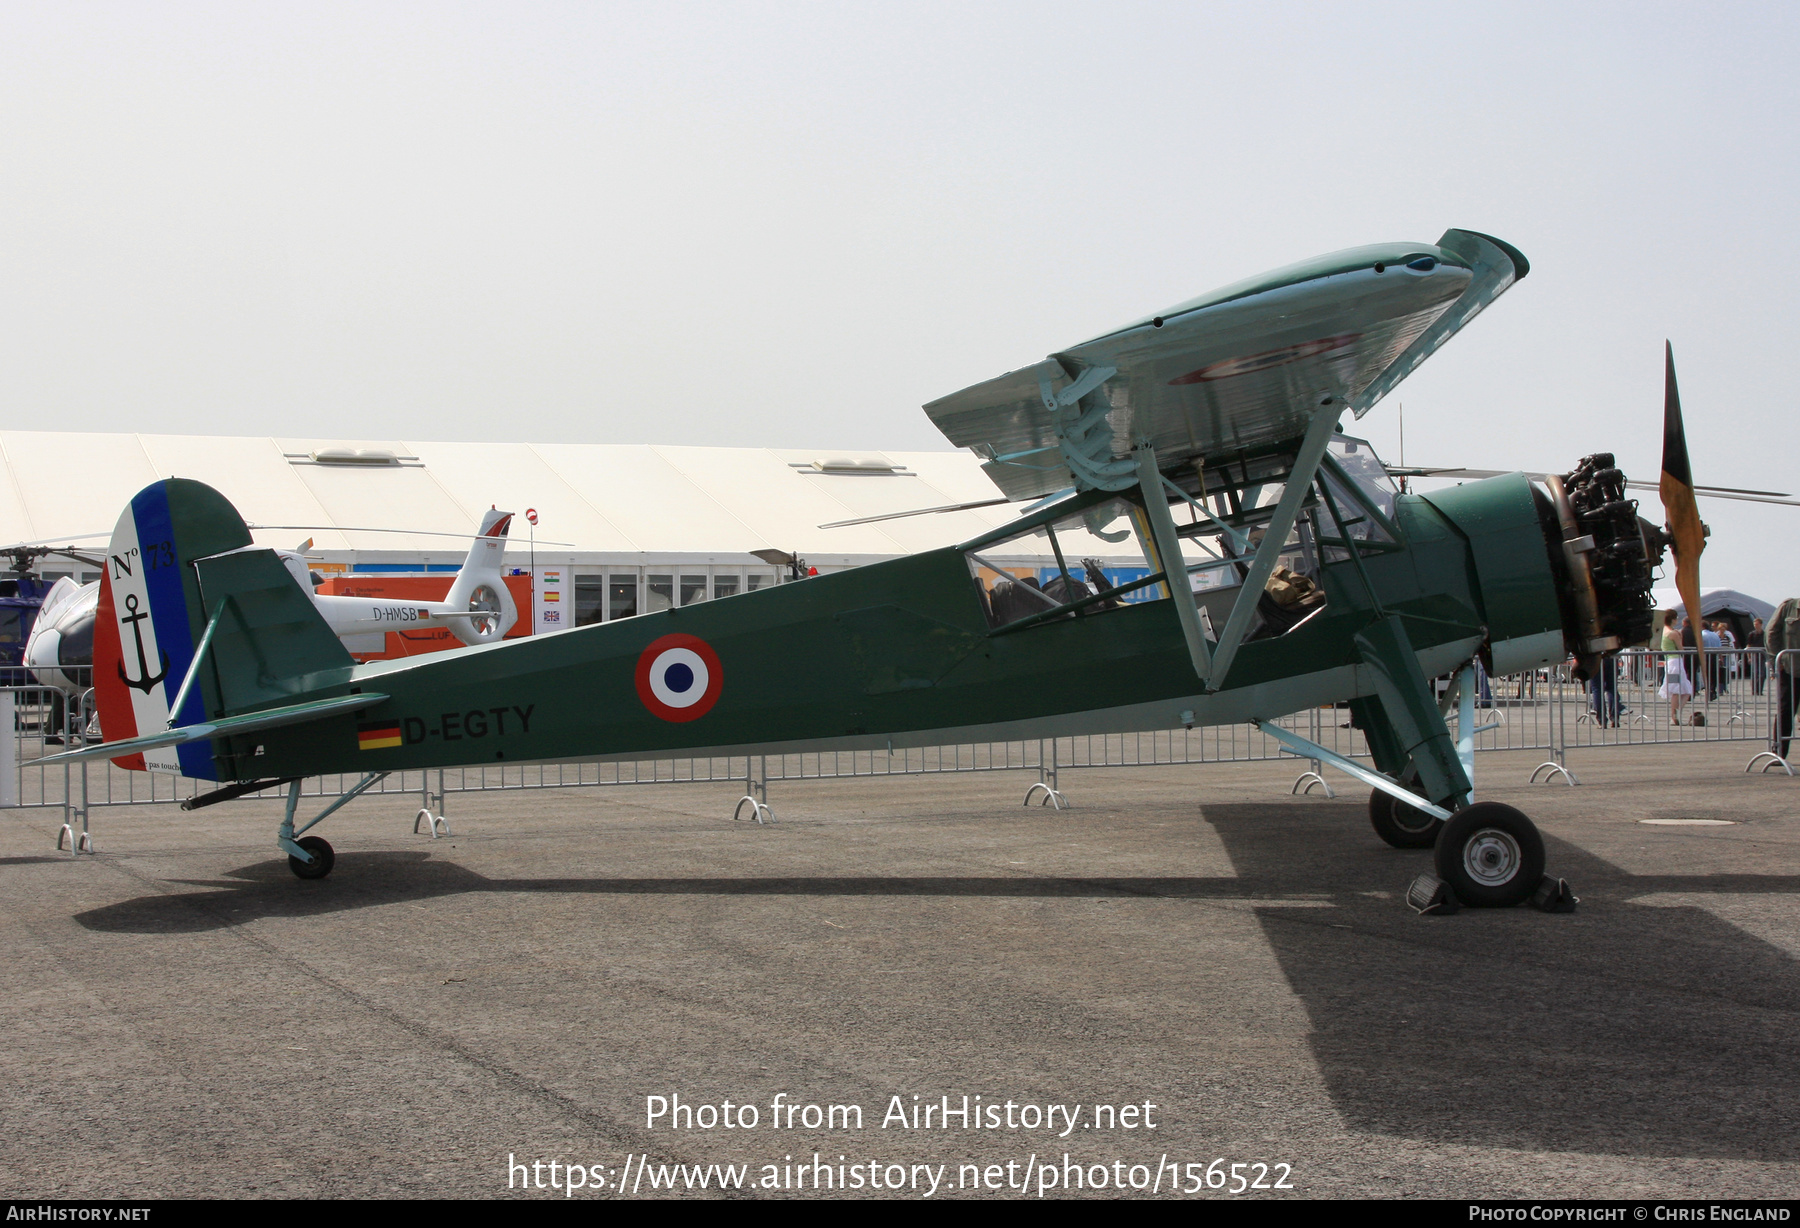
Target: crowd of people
point(1685, 673)
point(1681, 673)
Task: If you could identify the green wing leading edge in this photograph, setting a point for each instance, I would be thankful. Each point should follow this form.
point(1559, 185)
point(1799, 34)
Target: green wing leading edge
point(1223, 553)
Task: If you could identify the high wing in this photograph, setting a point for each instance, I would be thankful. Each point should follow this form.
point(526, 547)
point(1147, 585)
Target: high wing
point(1241, 368)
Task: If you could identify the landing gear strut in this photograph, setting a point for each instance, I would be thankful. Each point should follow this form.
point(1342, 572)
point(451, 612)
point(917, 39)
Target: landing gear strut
point(311, 856)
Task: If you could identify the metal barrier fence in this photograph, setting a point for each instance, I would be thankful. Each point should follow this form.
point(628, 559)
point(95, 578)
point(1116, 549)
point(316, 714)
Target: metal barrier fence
point(1736, 693)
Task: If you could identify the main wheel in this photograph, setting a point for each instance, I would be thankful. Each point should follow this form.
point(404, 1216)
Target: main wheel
point(1401, 825)
point(323, 858)
point(1491, 855)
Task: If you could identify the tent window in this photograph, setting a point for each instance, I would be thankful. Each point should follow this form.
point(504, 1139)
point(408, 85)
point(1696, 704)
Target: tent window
point(590, 597)
point(659, 594)
point(622, 597)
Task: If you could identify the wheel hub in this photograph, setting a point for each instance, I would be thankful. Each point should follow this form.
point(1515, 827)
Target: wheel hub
point(1492, 857)
point(1411, 818)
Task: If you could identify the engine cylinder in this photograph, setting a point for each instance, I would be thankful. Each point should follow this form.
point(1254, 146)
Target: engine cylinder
point(1606, 561)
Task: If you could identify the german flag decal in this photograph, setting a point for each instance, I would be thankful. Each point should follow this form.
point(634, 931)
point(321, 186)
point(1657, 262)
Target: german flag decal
point(377, 735)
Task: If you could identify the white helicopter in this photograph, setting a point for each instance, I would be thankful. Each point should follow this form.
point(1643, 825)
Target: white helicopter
point(478, 609)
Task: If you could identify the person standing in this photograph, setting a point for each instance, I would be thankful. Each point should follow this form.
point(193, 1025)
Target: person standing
point(1603, 692)
point(1783, 632)
point(1754, 658)
point(1711, 658)
point(1675, 686)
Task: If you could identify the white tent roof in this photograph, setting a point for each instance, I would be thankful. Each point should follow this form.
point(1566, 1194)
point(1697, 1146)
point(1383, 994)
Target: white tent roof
point(1712, 600)
point(611, 501)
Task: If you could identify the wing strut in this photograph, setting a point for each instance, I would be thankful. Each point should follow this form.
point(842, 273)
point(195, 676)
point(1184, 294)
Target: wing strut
point(1299, 481)
point(1238, 541)
point(1168, 549)
point(193, 673)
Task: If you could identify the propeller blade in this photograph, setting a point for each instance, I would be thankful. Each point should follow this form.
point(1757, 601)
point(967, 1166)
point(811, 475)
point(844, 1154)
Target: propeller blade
point(1676, 486)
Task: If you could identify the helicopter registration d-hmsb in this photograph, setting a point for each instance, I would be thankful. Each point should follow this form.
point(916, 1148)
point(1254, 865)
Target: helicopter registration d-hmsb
point(1277, 569)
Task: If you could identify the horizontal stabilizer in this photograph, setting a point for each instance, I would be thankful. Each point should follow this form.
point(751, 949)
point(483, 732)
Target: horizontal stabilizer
point(225, 726)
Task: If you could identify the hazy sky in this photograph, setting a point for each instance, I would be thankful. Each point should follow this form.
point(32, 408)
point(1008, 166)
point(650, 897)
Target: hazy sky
point(793, 224)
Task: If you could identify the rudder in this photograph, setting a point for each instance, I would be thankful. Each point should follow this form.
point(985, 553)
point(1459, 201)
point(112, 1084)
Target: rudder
point(151, 616)
point(178, 545)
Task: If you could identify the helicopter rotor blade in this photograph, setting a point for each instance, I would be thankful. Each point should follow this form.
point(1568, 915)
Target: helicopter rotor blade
point(80, 556)
point(345, 528)
point(51, 541)
point(1738, 494)
point(920, 511)
point(25, 556)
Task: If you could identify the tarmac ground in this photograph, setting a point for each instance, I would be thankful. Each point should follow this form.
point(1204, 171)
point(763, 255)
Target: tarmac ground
point(184, 1017)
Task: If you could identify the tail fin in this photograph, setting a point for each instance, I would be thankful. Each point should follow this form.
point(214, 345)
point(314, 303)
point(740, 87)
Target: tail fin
point(479, 585)
point(179, 555)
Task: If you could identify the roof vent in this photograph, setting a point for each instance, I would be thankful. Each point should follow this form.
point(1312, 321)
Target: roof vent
point(854, 464)
point(354, 456)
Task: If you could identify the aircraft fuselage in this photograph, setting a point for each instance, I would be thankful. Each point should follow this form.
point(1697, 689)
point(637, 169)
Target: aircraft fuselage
point(901, 653)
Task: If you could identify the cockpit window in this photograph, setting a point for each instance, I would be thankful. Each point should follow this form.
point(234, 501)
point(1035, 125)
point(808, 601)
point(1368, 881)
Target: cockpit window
point(1093, 560)
point(1357, 459)
point(1104, 558)
point(1359, 501)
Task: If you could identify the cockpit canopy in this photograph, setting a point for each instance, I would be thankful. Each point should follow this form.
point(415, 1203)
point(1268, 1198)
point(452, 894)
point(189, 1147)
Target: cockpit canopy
point(1094, 553)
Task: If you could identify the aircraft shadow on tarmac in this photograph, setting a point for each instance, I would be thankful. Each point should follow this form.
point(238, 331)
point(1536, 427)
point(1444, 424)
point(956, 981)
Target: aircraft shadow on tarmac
point(367, 880)
point(1627, 1028)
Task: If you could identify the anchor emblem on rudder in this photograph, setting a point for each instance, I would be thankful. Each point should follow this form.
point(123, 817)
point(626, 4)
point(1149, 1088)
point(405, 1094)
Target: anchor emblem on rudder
point(145, 681)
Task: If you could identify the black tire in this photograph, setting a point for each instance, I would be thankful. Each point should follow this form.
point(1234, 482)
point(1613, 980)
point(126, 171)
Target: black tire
point(1402, 825)
point(323, 858)
point(1491, 855)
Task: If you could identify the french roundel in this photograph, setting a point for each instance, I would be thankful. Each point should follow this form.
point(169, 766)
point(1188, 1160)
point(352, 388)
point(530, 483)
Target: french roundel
point(679, 678)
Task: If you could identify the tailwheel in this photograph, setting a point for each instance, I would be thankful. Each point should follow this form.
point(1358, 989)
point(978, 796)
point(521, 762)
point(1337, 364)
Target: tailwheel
point(1401, 825)
point(323, 858)
point(1491, 855)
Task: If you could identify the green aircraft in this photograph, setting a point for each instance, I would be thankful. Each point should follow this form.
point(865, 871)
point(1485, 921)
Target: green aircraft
point(1223, 553)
